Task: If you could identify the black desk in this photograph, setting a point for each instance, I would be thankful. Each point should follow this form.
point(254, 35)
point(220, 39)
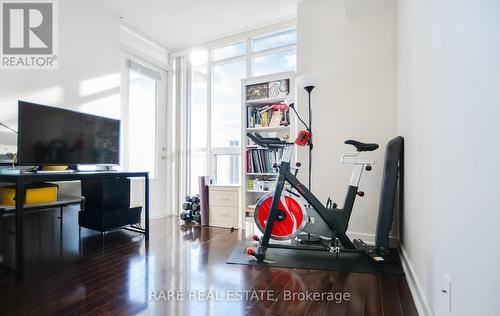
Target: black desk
point(23, 179)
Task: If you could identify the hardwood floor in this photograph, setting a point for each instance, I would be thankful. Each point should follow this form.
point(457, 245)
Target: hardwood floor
point(128, 277)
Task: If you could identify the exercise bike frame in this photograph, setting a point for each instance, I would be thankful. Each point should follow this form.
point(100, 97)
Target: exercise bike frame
point(336, 219)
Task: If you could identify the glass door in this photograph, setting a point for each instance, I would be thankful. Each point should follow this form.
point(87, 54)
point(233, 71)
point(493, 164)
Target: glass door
point(146, 132)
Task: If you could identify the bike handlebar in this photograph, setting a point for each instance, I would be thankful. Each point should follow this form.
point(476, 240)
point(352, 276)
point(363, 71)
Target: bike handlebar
point(267, 141)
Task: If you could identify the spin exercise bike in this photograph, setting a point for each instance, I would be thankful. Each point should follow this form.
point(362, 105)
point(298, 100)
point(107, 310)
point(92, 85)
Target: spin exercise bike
point(283, 215)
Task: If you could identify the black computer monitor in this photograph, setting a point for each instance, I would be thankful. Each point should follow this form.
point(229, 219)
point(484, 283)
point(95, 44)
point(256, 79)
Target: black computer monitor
point(55, 136)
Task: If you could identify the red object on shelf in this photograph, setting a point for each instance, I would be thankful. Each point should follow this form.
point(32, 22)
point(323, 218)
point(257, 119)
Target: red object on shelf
point(303, 138)
point(280, 107)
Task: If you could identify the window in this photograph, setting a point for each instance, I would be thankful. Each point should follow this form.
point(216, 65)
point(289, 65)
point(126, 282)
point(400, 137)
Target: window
point(230, 51)
point(274, 63)
point(275, 40)
point(226, 104)
point(227, 168)
point(198, 126)
point(143, 100)
point(199, 108)
point(274, 53)
point(215, 95)
point(226, 121)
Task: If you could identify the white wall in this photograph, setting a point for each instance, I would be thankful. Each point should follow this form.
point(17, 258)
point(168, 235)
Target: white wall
point(138, 45)
point(449, 104)
point(350, 51)
point(88, 78)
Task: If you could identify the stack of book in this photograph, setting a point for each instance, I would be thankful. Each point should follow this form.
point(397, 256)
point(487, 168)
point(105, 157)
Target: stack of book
point(263, 160)
point(267, 118)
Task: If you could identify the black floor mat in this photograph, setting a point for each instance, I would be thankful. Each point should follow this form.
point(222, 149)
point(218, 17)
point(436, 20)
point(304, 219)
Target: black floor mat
point(317, 260)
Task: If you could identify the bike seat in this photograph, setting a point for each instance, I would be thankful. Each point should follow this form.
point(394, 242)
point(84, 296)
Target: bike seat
point(361, 146)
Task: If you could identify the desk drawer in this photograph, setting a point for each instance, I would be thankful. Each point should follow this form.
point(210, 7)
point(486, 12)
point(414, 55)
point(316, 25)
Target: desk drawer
point(223, 216)
point(223, 198)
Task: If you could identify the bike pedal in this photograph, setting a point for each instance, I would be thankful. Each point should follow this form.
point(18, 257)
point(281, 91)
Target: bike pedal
point(334, 250)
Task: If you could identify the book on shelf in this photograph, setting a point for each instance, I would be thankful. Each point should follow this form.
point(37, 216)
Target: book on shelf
point(267, 117)
point(277, 118)
point(263, 160)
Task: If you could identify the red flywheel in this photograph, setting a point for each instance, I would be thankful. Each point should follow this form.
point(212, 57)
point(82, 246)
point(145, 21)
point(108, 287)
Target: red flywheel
point(290, 219)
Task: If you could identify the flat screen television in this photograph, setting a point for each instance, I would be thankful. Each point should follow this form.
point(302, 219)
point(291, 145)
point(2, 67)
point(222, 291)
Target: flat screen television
point(49, 136)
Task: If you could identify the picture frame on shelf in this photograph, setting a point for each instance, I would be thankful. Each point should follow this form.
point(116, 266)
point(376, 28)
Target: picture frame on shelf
point(279, 88)
point(257, 91)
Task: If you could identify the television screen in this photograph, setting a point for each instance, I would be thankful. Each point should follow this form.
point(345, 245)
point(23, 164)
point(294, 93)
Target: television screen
point(54, 136)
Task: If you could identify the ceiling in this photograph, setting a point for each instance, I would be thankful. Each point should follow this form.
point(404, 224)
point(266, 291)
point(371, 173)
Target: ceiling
point(178, 24)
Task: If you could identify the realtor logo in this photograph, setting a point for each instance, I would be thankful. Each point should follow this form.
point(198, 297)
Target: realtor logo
point(29, 38)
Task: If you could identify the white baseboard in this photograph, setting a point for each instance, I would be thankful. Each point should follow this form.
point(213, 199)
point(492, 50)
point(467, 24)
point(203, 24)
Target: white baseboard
point(415, 288)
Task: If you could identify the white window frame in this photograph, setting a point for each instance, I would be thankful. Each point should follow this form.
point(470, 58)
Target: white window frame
point(249, 58)
point(214, 151)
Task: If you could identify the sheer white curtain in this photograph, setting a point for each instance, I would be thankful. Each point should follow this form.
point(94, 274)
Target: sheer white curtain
point(143, 102)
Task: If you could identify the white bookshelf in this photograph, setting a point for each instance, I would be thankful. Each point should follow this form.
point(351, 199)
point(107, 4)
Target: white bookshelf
point(250, 195)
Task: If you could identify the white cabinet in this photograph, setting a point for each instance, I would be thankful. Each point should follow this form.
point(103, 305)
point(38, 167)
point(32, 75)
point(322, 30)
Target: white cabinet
point(223, 204)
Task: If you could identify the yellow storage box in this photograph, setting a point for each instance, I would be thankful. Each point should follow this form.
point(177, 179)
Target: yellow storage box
point(54, 168)
point(38, 193)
